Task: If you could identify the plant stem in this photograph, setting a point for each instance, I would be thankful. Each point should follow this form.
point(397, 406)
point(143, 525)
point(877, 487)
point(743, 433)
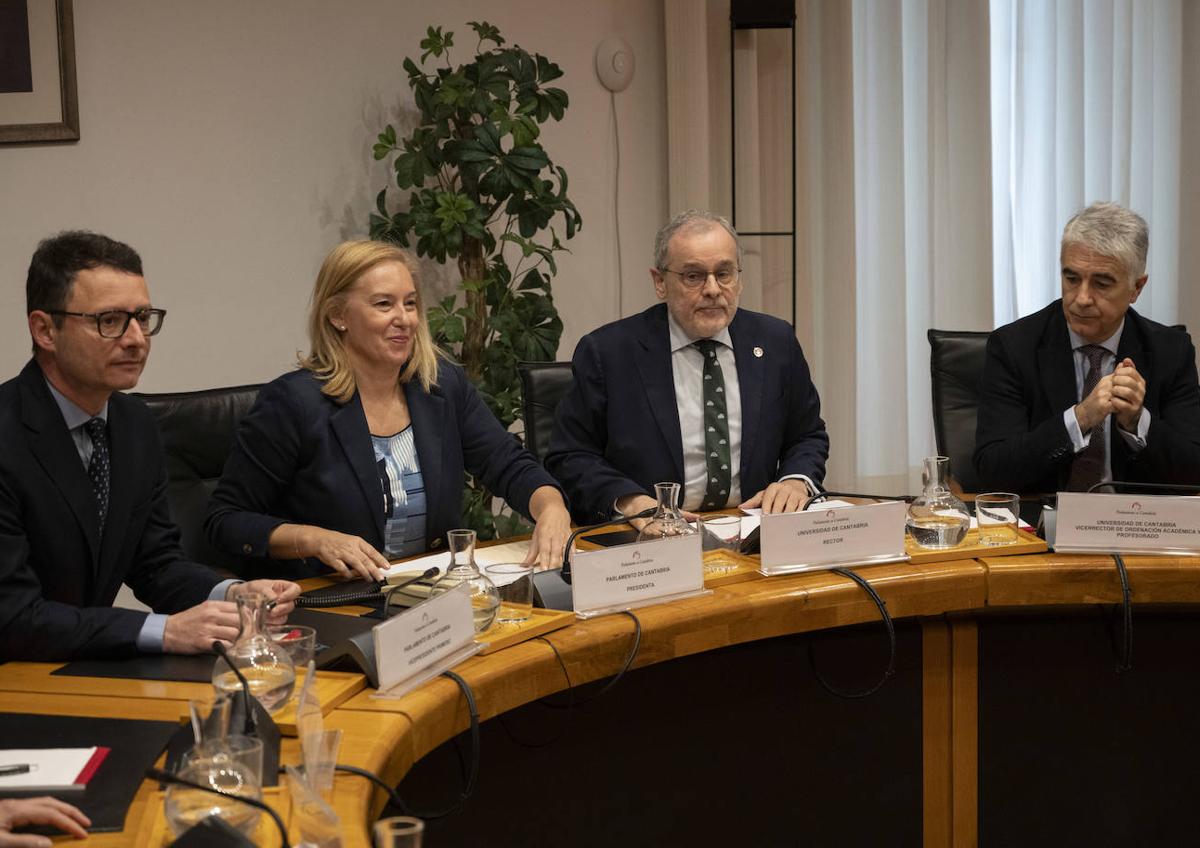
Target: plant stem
point(473, 266)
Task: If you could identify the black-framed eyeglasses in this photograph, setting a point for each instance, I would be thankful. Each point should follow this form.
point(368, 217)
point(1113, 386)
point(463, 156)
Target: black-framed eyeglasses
point(726, 276)
point(113, 323)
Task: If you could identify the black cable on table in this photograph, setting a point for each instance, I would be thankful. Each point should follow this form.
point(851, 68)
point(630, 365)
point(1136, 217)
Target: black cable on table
point(891, 632)
point(1125, 654)
point(470, 772)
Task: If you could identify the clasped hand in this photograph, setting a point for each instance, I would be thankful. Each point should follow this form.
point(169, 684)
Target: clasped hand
point(1120, 394)
point(194, 630)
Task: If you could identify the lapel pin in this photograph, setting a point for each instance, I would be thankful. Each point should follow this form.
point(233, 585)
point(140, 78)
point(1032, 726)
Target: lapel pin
point(758, 352)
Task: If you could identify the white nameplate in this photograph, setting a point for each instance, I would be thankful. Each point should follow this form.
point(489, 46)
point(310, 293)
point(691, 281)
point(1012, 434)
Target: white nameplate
point(423, 641)
point(628, 576)
point(829, 538)
point(1145, 524)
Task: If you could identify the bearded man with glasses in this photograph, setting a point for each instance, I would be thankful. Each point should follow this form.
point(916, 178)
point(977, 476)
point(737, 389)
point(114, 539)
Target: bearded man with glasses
point(83, 504)
point(693, 390)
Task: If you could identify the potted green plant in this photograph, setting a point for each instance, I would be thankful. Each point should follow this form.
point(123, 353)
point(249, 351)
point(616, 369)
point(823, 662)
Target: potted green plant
point(483, 192)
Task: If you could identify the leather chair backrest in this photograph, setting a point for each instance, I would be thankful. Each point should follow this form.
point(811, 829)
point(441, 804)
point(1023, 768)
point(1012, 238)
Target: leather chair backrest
point(543, 385)
point(956, 360)
point(197, 430)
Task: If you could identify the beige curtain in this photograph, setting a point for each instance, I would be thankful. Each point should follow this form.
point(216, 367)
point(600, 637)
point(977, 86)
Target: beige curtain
point(892, 176)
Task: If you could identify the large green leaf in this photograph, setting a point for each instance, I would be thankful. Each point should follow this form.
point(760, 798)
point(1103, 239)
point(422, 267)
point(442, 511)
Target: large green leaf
point(478, 177)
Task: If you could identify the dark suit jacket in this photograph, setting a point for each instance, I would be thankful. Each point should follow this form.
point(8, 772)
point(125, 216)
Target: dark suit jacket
point(1021, 442)
point(617, 429)
point(58, 578)
point(299, 456)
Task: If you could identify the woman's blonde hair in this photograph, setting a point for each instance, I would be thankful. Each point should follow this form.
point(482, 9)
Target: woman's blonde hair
point(327, 357)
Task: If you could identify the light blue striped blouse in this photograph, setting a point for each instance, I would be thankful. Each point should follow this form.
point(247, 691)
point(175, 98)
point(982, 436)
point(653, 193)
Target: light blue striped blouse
point(403, 493)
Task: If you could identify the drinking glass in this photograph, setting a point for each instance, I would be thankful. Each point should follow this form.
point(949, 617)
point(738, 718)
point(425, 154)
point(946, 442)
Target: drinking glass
point(232, 765)
point(399, 832)
point(996, 514)
point(514, 581)
point(300, 642)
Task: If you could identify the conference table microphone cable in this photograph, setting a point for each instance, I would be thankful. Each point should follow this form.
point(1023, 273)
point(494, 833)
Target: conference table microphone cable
point(1125, 654)
point(880, 604)
point(571, 702)
point(470, 773)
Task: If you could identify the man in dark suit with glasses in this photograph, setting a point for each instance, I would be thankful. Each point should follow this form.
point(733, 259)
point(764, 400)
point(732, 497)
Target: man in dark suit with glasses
point(693, 390)
point(83, 504)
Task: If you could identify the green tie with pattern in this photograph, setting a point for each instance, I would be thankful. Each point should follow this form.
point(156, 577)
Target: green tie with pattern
point(716, 430)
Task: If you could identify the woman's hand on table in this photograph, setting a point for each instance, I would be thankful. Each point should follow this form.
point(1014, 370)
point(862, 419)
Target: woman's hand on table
point(551, 529)
point(349, 556)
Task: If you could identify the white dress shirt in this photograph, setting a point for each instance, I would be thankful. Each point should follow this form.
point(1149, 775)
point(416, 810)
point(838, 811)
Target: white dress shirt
point(687, 367)
point(1108, 364)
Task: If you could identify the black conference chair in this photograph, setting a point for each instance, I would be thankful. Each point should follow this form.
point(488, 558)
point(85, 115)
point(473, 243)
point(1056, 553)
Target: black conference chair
point(956, 360)
point(197, 430)
point(543, 385)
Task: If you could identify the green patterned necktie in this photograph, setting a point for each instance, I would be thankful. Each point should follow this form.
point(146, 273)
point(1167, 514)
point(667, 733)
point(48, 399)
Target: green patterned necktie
point(716, 430)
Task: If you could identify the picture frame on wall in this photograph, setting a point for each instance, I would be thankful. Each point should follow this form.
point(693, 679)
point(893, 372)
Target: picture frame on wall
point(39, 101)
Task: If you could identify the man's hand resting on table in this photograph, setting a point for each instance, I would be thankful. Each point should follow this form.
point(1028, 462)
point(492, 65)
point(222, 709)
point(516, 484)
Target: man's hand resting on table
point(194, 630)
point(18, 812)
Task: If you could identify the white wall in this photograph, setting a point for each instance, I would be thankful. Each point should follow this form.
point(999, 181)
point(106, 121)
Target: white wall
point(229, 142)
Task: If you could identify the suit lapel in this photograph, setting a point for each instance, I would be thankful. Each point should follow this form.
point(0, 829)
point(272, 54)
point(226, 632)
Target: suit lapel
point(1056, 362)
point(750, 382)
point(124, 464)
point(652, 357)
point(350, 426)
point(55, 451)
point(428, 412)
point(1131, 346)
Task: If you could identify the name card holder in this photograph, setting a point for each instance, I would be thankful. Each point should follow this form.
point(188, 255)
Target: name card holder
point(628, 576)
point(420, 643)
point(831, 538)
point(1135, 524)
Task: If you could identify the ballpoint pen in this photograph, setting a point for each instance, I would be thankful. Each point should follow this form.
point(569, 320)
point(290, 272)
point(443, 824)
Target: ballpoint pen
point(16, 768)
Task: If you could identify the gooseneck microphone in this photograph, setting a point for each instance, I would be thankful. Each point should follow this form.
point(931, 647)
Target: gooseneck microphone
point(166, 777)
point(390, 591)
point(570, 546)
point(1189, 488)
point(250, 728)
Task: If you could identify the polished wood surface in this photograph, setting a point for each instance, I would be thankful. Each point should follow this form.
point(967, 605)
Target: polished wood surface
point(388, 736)
point(333, 687)
point(366, 741)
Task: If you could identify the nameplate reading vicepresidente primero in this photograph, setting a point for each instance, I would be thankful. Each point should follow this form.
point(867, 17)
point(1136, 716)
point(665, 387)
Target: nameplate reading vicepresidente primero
point(424, 640)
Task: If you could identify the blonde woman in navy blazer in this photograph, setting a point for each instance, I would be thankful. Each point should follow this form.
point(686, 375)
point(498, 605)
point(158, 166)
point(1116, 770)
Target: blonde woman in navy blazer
point(375, 421)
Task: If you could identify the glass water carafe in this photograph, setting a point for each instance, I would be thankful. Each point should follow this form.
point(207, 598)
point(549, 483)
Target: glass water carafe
point(485, 598)
point(266, 665)
point(937, 519)
point(667, 519)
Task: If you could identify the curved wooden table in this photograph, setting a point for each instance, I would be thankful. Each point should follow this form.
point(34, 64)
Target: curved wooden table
point(947, 599)
point(944, 606)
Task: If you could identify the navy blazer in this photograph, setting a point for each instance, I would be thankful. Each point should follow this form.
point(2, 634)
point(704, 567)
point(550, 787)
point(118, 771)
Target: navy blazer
point(58, 576)
point(617, 430)
point(1021, 442)
point(302, 457)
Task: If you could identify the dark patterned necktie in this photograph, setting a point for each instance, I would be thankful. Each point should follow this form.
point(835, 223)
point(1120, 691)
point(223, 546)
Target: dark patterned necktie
point(98, 469)
point(1087, 469)
point(716, 430)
